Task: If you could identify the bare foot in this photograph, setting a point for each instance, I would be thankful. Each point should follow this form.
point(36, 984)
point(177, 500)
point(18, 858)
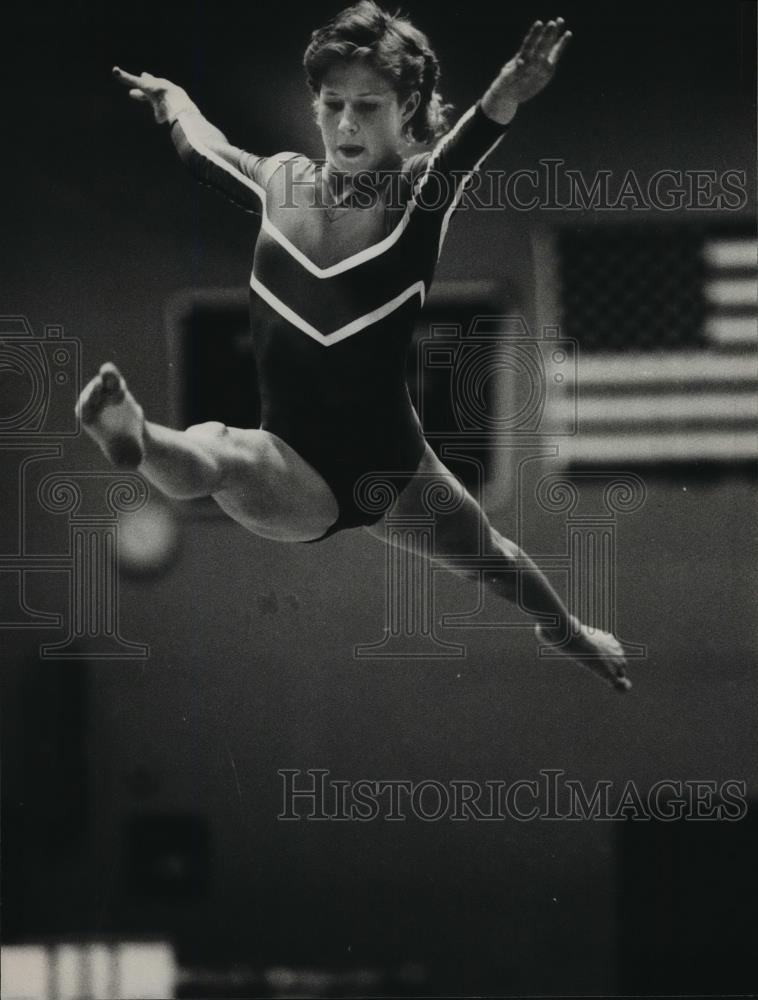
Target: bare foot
point(113, 417)
point(600, 651)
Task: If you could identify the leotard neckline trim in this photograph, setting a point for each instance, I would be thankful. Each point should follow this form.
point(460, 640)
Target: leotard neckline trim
point(376, 249)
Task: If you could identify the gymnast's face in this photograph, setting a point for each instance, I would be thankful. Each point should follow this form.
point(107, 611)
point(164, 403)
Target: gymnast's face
point(360, 117)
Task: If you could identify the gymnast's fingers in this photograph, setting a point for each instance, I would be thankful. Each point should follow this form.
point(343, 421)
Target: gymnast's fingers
point(559, 46)
point(531, 40)
point(129, 79)
point(145, 81)
point(547, 39)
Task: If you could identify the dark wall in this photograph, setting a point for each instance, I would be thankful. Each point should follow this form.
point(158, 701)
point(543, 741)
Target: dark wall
point(251, 666)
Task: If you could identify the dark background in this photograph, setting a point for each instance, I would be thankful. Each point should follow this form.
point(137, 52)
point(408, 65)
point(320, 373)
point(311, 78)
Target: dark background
point(251, 665)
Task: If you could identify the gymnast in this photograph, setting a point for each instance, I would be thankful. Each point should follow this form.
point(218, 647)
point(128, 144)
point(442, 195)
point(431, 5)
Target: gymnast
point(342, 264)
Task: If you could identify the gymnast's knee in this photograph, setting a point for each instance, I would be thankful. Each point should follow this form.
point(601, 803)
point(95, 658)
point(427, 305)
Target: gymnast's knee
point(209, 429)
point(503, 546)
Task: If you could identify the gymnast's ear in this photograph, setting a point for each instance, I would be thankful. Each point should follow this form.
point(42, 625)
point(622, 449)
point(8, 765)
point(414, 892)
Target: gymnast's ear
point(409, 106)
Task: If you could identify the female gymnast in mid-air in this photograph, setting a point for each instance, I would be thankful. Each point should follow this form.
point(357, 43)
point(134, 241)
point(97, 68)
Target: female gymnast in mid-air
point(342, 264)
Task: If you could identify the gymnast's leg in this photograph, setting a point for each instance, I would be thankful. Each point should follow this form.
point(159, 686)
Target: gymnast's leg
point(466, 531)
point(254, 476)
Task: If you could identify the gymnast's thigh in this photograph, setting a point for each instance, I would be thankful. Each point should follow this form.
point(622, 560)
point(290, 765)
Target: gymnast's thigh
point(460, 524)
point(268, 486)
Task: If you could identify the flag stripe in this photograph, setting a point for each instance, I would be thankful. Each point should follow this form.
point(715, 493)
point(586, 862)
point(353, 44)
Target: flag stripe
point(652, 447)
point(672, 367)
point(732, 331)
point(731, 253)
point(731, 292)
point(664, 408)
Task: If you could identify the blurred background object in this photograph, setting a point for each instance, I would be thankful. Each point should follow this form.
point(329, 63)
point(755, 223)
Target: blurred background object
point(118, 970)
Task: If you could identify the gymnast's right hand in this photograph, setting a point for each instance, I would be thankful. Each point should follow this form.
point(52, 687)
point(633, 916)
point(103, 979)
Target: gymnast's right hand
point(165, 97)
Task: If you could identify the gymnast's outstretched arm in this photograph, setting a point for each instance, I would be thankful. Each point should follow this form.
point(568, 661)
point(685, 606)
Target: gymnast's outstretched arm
point(528, 72)
point(203, 147)
point(476, 134)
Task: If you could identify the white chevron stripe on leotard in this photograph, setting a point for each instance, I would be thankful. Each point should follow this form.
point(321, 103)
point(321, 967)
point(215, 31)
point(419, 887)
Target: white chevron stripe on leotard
point(355, 326)
point(355, 260)
point(368, 253)
point(320, 272)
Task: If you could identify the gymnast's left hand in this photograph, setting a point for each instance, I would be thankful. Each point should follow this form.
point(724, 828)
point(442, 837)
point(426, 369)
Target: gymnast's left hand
point(166, 99)
point(529, 71)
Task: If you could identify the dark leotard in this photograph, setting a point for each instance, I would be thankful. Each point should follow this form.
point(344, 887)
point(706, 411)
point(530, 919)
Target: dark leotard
point(335, 293)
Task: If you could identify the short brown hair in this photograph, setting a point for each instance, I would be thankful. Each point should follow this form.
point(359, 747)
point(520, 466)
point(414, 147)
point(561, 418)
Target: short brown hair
point(395, 48)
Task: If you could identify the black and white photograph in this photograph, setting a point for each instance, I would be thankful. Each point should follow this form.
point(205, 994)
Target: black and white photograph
point(379, 441)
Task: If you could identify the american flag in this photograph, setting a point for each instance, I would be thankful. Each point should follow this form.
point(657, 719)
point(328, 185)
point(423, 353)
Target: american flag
point(668, 359)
